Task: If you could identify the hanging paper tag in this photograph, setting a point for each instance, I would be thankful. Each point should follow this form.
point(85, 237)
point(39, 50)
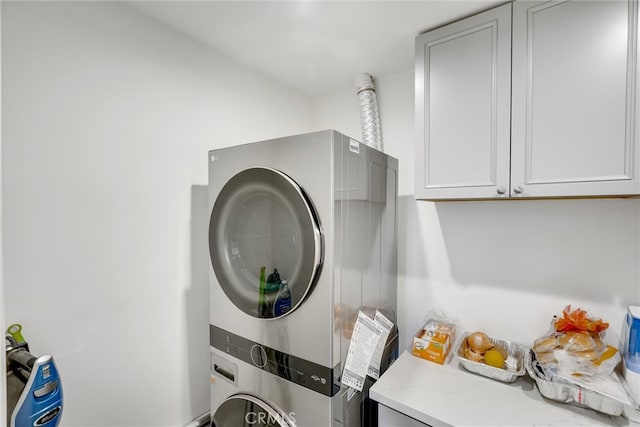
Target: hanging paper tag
point(386, 325)
point(364, 340)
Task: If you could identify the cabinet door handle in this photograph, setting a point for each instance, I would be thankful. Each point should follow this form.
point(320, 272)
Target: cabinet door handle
point(517, 189)
point(501, 190)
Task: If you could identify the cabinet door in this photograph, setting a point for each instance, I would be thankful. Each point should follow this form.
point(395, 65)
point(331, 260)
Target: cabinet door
point(391, 417)
point(575, 98)
point(463, 108)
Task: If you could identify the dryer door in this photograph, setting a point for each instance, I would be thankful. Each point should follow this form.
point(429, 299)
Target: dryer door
point(249, 411)
point(263, 233)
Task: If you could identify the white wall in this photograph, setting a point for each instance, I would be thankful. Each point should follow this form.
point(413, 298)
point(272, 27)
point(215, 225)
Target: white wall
point(107, 120)
point(3, 378)
point(503, 267)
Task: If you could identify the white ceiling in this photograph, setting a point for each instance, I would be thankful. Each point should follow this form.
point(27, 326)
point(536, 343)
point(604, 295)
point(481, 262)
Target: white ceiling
point(312, 46)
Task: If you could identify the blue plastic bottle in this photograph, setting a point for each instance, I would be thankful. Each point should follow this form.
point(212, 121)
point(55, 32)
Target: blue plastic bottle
point(283, 301)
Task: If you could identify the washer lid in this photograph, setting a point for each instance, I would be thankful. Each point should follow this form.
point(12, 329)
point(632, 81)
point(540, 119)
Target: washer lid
point(264, 232)
point(247, 410)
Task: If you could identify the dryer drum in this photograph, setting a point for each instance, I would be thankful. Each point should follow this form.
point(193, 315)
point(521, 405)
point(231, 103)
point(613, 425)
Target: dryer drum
point(246, 410)
point(263, 218)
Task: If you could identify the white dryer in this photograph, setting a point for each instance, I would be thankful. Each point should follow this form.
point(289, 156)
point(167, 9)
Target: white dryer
point(316, 212)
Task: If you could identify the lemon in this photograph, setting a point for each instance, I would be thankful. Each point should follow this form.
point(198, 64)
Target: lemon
point(494, 358)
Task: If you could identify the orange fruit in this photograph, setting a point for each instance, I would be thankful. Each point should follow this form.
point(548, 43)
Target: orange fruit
point(494, 358)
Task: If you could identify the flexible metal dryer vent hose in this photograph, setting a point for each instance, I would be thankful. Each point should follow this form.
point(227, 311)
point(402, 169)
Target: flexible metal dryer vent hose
point(369, 115)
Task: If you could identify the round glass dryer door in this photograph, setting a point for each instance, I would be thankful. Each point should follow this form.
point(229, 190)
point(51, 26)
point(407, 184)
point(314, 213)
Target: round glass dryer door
point(246, 410)
point(265, 242)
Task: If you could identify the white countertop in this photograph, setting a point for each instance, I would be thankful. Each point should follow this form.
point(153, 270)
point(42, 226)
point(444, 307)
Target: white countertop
point(448, 395)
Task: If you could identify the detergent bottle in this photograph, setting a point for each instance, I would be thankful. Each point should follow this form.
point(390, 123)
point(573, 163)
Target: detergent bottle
point(269, 292)
point(283, 301)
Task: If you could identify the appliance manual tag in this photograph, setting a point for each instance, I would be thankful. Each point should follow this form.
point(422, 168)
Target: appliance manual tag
point(366, 334)
point(387, 325)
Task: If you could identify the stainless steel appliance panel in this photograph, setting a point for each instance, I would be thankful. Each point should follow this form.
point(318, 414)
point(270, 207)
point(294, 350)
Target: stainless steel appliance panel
point(304, 407)
point(307, 159)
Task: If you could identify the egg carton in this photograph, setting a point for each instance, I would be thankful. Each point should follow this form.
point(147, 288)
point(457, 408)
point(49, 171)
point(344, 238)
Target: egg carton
point(515, 363)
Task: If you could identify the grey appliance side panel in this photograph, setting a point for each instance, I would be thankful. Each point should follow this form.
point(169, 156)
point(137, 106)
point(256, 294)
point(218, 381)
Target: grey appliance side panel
point(338, 312)
point(365, 242)
point(380, 272)
point(389, 237)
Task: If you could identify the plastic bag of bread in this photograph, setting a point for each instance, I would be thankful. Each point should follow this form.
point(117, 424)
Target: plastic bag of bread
point(575, 345)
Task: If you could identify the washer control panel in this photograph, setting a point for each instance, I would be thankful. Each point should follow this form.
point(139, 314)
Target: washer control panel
point(291, 368)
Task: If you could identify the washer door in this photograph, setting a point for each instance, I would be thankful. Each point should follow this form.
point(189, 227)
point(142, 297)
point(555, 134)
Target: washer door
point(249, 411)
point(264, 231)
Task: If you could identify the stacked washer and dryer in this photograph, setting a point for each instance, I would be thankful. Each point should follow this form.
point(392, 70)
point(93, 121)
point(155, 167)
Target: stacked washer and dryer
point(302, 237)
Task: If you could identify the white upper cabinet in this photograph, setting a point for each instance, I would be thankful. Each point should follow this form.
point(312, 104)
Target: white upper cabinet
point(575, 98)
point(548, 108)
point(463, 75)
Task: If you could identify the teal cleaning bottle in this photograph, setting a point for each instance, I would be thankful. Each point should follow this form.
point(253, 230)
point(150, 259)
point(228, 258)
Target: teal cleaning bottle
point(271, 291)
point(283, 301)
point(273, 282)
